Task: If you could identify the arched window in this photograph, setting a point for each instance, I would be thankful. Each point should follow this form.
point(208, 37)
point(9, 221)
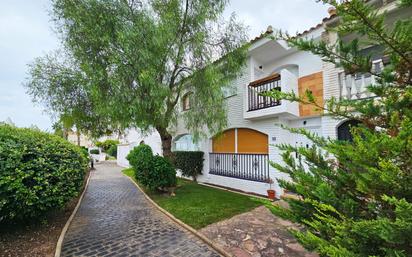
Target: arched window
point(344, 130)
point(186, 99)
point(184, 143)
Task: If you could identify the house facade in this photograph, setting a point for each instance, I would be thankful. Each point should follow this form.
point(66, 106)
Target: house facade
point(239, 157)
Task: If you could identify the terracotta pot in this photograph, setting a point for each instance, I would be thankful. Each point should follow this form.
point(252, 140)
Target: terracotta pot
point(271, 194)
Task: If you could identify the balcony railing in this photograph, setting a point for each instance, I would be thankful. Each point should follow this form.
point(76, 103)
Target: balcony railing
point(255, 100)
point(253, 167)
point(355, 86)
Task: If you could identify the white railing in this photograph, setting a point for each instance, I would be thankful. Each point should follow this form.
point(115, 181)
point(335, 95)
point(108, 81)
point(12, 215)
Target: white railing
point(355, 86)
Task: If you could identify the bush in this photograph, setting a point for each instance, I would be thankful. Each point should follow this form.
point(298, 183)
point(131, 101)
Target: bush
point(94, 151)
point(112, 151)
point(39, 172)
point(141, 159)
point(107, 144)
point(163, 174)
point(189, 162)
point(153, 172)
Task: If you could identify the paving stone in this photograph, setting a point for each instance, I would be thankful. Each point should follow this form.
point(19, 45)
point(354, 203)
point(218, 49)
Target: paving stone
point(257, 233)
point(115, 219)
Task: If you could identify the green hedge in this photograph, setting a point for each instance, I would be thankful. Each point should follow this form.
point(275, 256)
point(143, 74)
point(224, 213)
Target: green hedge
point(107, 144)
point(112, 151)
point(189, 162)
point(94, 151)
point(39, 172)
point(154, 172)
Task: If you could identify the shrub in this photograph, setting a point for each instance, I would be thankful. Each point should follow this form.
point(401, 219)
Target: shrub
point(112, 151)
point(189, 162)
point(154, 172)
point(107, 144)
point(94, 151)
point(39, 172)
point(141, 159)
point(163, 174)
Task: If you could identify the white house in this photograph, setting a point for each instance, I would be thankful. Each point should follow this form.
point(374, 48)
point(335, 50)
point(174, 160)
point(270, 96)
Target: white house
point(239, 158)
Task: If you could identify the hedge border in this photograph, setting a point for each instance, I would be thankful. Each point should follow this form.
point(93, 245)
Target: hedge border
point(181, 223)
point(59, 244)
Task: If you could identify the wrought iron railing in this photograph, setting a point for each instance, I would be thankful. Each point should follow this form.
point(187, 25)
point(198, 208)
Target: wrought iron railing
point(240, 165)
point(255, 100)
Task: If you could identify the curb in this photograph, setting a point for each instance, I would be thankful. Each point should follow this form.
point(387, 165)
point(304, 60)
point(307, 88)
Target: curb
point(181, 223)
point(69, 221)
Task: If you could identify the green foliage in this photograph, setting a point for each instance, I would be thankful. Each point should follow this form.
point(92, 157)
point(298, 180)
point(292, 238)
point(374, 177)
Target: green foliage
point(107, 144)
point(39, 172)
point(162, 175)
point(356, 197)
point(154, 172)
point(112, 151)
point(130, 67)
point(94, 151)
point(189, 162)
point(141, 159)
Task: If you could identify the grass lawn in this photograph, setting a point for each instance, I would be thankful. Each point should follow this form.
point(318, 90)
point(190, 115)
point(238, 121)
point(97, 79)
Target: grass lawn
point(199, 206)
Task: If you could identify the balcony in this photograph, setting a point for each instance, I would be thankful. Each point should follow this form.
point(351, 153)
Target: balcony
point(355, 86)
point(258, 106)
point(253, 167)
point(255, 100)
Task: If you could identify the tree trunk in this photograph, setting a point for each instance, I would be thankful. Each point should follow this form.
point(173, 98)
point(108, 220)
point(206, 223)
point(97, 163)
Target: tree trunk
point(78, 137)
point(166, 142)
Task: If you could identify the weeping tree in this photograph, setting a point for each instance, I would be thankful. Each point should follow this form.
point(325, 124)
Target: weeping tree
point(57, 83)
point(140, 57)
point(355, 198)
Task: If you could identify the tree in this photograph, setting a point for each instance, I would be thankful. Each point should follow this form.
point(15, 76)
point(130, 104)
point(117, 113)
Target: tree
point(140, 57)
point(57, 82)
point(355, 198)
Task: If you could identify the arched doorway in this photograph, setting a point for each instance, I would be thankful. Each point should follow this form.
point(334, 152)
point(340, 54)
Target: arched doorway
point(240, 153)
point(241, 140)
point(344, 130)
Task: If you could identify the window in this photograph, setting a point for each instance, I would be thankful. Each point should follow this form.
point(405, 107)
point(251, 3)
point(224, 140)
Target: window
point(186, 101)
point(185, 143)
point(344, 130)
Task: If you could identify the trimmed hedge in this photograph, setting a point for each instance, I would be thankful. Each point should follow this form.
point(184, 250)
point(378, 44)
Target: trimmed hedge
point(189, 162)
point(154, 172)
point(112, 151)
point(141, 159)
point(94, 151)
point(39, 172)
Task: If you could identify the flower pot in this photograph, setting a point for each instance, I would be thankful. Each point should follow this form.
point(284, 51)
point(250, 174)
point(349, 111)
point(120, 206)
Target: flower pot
point(271, 194)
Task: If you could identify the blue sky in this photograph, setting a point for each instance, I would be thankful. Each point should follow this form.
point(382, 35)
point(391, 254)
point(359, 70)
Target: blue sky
point(26, 33)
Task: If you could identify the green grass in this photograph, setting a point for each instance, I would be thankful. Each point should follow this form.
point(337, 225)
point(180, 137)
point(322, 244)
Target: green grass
point(199, 206)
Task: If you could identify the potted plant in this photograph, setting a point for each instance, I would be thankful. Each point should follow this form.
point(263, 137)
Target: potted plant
point(271, 192)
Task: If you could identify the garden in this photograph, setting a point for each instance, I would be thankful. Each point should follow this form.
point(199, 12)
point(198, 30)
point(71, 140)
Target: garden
point(41, 177)
point(195, 204)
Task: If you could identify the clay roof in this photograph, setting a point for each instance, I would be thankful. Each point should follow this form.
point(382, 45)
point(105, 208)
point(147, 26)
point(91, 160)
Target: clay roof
point(269, 30)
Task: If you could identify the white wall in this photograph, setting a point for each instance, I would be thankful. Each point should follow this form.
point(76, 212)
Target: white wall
point(133, 138)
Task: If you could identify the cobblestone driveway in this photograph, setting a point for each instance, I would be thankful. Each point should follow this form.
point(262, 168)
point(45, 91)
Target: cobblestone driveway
point(115, 219)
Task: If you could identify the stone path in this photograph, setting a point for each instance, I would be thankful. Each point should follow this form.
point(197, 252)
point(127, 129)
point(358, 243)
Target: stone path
point(257, 233)
point(115, 219)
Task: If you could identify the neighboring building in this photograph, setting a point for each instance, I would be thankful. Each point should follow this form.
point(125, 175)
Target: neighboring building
point(239, 158)
point(84, 140)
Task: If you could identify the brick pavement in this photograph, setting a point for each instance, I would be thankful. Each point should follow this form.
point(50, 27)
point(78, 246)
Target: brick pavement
point(115, 219)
